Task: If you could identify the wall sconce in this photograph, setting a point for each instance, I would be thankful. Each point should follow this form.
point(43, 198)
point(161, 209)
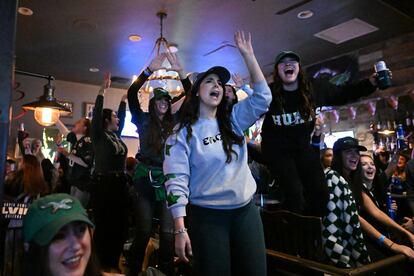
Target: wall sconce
point(46, 109)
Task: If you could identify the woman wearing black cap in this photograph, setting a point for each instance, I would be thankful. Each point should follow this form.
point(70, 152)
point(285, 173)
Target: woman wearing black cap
point(153, 129)
point(206, 166)
point(109, 195)
point(287, 130)
point(341, 227)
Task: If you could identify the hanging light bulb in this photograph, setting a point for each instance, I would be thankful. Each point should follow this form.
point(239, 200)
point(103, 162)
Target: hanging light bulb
point(46, 109)
point(46, 116)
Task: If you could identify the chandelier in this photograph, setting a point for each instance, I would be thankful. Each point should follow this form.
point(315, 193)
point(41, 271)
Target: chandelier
point(169, 80)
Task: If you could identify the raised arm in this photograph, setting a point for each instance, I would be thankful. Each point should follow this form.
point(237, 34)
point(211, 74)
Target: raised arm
point(97, 120)
point(133, 90)
point(185, 81)
point(246, 112)
point(328, 94)
point(121, 115)
point(239, 84)
point(62, 128)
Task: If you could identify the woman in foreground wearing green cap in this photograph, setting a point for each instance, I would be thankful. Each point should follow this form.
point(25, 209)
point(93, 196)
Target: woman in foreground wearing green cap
point(58, 234)
point(208, 176)
point(287, 129)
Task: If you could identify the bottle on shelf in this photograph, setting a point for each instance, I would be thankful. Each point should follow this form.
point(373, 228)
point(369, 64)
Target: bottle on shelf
point(401, 144)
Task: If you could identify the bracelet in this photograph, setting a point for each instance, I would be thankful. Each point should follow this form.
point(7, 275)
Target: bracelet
point(381, 240)
point(391, 245)
point(147, 72)
point(180, 231)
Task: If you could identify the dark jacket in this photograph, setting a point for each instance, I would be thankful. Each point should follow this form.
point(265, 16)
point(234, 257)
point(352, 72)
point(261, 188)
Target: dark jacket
point(110, 150)
point(283, 127)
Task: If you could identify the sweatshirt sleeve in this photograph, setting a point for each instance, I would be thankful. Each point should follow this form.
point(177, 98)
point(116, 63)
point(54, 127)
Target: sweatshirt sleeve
point(328, 94)
point(177, 171)
point(246, 88)
point(248, 111)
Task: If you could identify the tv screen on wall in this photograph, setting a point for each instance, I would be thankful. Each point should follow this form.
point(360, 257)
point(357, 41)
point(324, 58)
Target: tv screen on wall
point(129, 130)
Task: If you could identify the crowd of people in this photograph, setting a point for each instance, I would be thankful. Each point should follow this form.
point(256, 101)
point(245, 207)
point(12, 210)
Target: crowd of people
point(197, 173)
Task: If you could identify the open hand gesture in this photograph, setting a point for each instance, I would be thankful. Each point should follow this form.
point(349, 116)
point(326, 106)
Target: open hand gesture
point(243, 43)
point(238, 80)
point(106, 81)
point(156, 62)
point(174, 61)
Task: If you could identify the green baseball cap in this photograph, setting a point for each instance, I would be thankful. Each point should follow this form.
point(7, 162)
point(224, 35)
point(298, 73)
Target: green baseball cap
point(47, 215)
point(284, 54)
point(160, 93)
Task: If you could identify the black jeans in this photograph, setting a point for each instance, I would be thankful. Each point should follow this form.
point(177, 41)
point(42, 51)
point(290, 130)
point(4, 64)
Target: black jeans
point(109, 202)
point(227, 242)
point(145, 210)
point(302, 181)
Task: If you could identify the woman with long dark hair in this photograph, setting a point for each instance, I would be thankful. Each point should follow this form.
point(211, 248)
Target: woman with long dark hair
point(287, 130)
point(23, 186)
point(110, 192)
point(342, 225)
point(153, 127)
point(206, 167)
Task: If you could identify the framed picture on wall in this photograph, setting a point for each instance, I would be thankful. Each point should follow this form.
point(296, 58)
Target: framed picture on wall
point(88, 110)
point(68, 105)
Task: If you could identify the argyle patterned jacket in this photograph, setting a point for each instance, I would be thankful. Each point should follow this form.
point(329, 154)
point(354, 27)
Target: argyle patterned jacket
point(341, 231)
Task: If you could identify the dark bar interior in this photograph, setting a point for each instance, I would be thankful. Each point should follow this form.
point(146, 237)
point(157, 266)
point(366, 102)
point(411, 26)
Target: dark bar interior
point(183, 137)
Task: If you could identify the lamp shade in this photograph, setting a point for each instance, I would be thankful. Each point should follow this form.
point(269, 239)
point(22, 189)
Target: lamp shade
point(46, 109)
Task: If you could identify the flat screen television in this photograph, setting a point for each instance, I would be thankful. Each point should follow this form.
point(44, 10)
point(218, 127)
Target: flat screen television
point(129, 130)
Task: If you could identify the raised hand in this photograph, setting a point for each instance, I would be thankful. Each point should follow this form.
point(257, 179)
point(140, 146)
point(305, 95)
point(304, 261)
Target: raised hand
point(244, 43)
point(124, 98)
point(156, 62)
point(174, 61)
point(238, 80)
point(106, 83)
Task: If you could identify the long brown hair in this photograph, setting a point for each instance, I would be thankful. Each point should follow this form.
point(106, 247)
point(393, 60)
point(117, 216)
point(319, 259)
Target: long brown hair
point(306, 104)
point(33, 180)
point(159, 130)
point(355, 179)
point(190, 114)
point(87, 124)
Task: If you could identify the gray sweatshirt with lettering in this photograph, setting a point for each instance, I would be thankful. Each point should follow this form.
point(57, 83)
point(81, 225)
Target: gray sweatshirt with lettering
point(197, 171)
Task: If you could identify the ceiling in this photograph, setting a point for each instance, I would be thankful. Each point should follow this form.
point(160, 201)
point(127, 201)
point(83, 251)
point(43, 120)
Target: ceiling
point(66, 38)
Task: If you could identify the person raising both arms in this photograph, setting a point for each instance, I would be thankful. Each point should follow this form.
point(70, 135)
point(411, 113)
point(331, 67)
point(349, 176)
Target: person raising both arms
point(207, 171)
point(287, 129)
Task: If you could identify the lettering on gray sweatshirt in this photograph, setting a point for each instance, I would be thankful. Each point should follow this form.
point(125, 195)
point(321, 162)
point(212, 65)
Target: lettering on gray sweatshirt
point(197, 171)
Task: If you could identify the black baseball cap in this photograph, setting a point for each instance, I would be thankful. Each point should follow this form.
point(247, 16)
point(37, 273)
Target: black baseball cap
point(160, 93)
point(284, 54)
point(348, 143)
point(220, 71)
